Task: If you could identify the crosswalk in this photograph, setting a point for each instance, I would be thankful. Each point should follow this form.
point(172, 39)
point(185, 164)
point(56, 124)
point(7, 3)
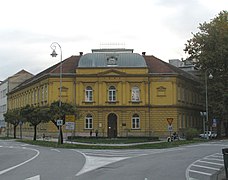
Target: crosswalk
point(206, 168)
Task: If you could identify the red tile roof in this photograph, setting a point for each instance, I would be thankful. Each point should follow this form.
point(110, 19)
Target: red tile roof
point(155, 65)
point(68, 66)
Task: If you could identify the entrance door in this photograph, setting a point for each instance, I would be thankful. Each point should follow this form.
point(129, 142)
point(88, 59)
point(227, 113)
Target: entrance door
point(112, 125)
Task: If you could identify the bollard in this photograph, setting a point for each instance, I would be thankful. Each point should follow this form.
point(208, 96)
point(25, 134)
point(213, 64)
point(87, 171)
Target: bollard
point(225, 158)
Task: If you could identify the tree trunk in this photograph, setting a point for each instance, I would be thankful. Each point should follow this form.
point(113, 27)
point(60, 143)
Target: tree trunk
point(226, 128)
point(34, 137)
point(219, 123)
point(14, 131)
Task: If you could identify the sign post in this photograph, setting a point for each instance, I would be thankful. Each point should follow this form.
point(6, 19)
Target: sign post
point(59, 123)
point(170, 127)
point(70, 126)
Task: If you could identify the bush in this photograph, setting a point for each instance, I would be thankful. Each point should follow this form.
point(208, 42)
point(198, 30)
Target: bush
point(190, 133)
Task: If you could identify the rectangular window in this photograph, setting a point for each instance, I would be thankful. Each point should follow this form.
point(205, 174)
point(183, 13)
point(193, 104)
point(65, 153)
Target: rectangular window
point(89, 123)
point(135, 123)
point(112, 94)
point(89, 96)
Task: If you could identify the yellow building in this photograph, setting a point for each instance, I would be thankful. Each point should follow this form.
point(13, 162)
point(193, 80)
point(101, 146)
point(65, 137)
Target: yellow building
point(118, 93)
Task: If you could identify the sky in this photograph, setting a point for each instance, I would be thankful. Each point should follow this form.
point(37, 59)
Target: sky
point(157, 27)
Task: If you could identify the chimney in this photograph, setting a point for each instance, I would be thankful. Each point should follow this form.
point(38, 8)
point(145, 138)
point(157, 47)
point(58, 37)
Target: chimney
point(143, 53)
point(81, 53)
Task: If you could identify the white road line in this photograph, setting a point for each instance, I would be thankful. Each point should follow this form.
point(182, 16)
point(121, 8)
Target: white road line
point(211, 163)
point(216, 156)
point(34, 178)
point(206, 167)
point(200, 172)
point(190, 178)
point(55, 150)
point(13, 167)
point(213, 159)
point(200, 161)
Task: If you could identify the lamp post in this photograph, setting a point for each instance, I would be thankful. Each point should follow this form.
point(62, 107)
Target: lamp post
point(54, 54)
point(206, 90)
point(203, 114)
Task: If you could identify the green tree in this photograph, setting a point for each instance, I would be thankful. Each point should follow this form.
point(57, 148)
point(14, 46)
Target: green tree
point(35, 116)
point(58, 111)
point(208, 49)
point(13, 117)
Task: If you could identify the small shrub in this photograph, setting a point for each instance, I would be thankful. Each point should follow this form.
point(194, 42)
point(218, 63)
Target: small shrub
point(191, 133)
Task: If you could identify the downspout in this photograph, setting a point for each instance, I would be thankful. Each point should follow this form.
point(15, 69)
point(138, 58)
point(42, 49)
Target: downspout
point(149, 105)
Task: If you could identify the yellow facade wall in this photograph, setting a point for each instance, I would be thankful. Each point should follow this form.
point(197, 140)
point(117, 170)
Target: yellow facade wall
point(161, 97)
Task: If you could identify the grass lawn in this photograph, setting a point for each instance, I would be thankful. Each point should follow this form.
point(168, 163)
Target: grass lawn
point(5, 138)
point(93, 140)
point(155, 145)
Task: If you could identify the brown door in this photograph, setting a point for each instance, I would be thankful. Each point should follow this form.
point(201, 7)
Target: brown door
point(112, 125)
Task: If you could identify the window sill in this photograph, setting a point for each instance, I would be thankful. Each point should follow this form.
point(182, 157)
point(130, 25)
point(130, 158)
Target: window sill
point(135, 102)
point(88, 102)
point(112, 102)
point(135, 128)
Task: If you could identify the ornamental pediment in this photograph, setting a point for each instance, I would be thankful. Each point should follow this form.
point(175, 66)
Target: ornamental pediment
point(111, 72)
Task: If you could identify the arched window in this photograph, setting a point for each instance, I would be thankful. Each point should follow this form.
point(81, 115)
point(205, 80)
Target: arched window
point(88, 94)
point(135, 94)
point(89, 121)
point(112, 94)
point(135, 121)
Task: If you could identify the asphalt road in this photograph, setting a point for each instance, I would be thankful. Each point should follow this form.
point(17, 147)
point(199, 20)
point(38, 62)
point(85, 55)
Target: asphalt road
point(19, 161)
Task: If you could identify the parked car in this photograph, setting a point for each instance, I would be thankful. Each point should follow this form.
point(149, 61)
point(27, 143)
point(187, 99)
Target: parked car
point(209, 134)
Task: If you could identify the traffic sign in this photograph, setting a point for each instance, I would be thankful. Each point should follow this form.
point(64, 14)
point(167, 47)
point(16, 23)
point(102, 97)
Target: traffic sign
point(70, 125)
point(59, 122)
point(170, 128)
point(70, 118)
point(214, 124)
point(170, 121)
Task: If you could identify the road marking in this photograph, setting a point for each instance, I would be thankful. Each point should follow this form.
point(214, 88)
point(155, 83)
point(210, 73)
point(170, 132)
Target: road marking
point(34, 178)
point(203, 160)
point(55, 150)
point(211, 163)
point(213, 159)
point(216, 156)
point(206, 167)
point(13, 167)
point(200, 172)
point(93, 163)
point(96, 160)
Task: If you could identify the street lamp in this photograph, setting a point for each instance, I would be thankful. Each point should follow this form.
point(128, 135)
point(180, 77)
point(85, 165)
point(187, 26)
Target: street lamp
point(210, 77)
point(54, 54)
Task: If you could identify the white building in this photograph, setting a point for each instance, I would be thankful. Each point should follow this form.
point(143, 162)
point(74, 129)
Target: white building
point(6, 86)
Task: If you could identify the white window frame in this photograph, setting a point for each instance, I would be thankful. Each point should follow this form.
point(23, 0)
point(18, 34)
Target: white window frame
point(89, 121)
point(112, 94)
point(89, 94)
point(135, 121)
